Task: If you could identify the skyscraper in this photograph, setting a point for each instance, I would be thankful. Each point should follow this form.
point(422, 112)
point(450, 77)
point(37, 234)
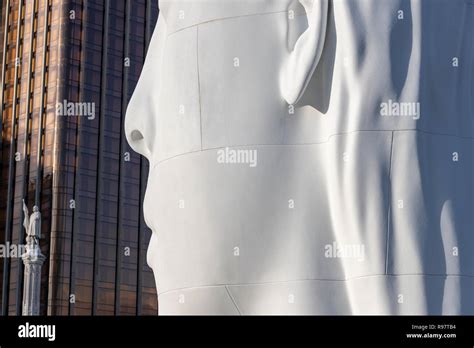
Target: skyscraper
point(68, 70)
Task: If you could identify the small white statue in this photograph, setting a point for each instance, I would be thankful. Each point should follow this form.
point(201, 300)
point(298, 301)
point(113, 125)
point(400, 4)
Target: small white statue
point(32, 225)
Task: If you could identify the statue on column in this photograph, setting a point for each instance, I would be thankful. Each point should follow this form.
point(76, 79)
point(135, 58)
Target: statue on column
point(32, 225)
point(33, 260)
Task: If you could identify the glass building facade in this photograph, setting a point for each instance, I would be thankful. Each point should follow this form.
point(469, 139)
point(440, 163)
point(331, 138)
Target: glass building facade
point(75, 166)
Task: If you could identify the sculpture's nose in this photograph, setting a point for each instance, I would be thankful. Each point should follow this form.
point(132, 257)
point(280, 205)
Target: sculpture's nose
point(140, 120)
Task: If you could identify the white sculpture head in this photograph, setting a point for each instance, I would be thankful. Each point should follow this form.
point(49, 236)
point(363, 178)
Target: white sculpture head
point(251, 200)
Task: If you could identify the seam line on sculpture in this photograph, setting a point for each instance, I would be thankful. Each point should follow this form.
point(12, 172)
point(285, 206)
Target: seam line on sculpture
point(389, 203)
point(199, 82)
point(318, 279)
point(310, 144)
point(233, 300)
point(233, 17)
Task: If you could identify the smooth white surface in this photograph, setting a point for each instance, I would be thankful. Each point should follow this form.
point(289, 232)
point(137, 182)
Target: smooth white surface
point(226, 238)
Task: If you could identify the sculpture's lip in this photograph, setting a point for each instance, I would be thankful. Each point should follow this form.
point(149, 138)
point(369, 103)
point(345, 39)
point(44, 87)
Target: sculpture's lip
point(147, 215)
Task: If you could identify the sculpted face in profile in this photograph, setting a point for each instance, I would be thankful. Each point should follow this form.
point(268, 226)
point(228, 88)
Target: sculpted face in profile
point(302, 156)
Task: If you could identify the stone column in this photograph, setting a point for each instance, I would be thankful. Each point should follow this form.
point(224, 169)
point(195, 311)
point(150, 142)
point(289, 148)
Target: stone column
point(33, 260)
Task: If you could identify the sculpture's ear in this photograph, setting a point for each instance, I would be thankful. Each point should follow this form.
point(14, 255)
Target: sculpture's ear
point(302, 61)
